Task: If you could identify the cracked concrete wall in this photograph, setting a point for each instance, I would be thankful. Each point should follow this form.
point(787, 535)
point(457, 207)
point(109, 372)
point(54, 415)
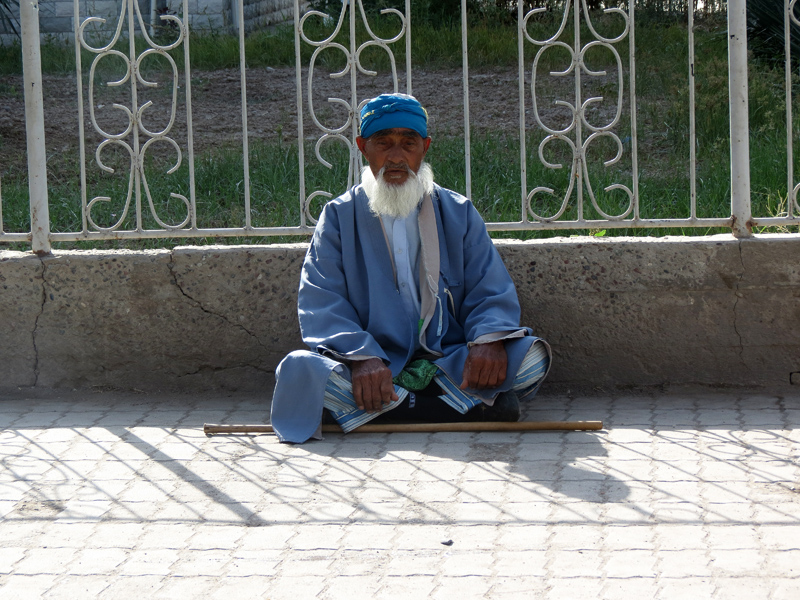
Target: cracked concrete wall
point(618, 312)
point(20, 286)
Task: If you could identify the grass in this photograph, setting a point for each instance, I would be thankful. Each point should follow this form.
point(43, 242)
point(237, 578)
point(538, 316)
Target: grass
point(431, 47)
point(663, 140)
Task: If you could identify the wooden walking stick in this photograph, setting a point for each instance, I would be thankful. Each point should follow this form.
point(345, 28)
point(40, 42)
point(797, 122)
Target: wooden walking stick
point(211, 428)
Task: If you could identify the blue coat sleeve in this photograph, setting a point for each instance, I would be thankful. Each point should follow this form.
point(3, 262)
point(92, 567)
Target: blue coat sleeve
point(490, 300)
point(329, 322)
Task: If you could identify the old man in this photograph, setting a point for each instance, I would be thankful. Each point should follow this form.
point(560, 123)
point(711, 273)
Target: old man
point(404, 302)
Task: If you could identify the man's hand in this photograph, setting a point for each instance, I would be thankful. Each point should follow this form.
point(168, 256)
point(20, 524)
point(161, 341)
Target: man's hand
point(372, 384)
point(486, 366)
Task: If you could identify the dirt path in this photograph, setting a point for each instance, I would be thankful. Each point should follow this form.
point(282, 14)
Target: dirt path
point(272, 107)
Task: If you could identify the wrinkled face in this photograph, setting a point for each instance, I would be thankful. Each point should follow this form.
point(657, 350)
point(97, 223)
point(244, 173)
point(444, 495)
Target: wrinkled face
point(399, 150)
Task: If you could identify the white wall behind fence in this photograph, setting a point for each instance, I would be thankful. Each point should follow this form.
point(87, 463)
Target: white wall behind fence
point(56, 16)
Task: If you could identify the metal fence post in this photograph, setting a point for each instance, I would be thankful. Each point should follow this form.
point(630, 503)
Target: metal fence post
point(34, 124)
point(740, 124)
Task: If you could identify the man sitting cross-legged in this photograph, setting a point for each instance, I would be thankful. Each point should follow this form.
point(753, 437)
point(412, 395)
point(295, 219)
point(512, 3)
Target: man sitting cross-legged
point(404, 301)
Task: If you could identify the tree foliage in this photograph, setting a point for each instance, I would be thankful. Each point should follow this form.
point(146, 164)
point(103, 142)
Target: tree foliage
point(448, 12)
point(765, 28)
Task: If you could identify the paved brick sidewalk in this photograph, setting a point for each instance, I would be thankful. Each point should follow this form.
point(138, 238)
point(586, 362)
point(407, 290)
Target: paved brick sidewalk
point(122, 496)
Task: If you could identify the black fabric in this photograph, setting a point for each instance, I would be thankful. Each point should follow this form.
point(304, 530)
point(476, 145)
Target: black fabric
point(429, 408)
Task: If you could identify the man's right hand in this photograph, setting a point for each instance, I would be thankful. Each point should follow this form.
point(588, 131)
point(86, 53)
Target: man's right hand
point(372, 384)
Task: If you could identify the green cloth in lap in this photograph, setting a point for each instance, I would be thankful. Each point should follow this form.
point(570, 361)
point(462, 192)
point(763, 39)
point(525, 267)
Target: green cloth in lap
point(416, 375)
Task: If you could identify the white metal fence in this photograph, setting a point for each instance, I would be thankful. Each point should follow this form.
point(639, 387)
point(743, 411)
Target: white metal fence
point(577, 132)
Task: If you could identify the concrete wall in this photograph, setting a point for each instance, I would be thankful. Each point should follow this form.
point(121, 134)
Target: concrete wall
point(618, 312)
point(259, 14)
point(56, 17)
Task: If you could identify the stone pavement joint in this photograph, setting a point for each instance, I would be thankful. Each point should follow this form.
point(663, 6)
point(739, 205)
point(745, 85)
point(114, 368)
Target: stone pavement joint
point(114, 495)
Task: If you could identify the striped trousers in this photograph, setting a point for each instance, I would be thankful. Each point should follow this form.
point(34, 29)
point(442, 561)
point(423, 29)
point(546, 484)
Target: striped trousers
point(340, 402)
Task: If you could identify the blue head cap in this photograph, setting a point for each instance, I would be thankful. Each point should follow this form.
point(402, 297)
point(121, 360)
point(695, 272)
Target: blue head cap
point(390, 111)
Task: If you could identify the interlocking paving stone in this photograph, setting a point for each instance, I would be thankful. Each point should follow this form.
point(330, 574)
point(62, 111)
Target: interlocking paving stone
point(27, 587)
point(130, 588)
point(43, 560)
point(78, 586)
point(636, 587)
point(571, 588)
point(114, 496)
point(786, 589)
point(473, 586)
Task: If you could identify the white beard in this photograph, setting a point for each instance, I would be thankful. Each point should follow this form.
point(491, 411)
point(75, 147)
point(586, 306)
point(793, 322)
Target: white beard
point(396, 201)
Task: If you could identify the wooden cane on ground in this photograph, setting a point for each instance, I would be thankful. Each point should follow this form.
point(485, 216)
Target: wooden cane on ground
point(518, 426)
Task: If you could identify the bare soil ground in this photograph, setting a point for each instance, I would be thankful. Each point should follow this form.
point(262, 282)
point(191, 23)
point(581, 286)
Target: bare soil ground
point(216, 106)
point(272, 107)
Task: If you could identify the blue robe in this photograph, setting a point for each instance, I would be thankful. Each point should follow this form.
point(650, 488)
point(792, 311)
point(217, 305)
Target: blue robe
point(349, 305)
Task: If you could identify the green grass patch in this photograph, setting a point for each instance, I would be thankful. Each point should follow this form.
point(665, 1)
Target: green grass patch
point(275, 192)
point(432, 46)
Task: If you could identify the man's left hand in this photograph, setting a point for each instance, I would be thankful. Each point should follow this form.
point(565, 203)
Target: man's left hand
point(486, 366)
